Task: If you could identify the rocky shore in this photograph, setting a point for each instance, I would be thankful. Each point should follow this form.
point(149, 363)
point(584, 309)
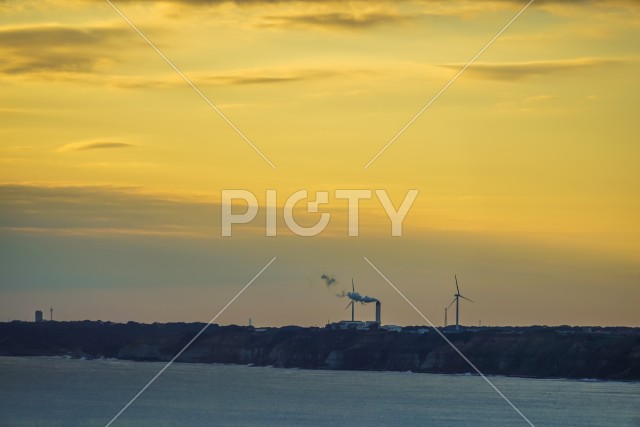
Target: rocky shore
point(541, 352)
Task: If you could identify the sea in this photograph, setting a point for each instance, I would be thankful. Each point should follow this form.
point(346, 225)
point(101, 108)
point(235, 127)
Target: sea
point(45, 391)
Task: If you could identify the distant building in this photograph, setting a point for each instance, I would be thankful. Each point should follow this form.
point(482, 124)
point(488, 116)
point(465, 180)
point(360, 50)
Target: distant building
point(39, 316)
point(421, 331)
point(392, 328)
point(350, 324)
point(353, 324)
point(368, 325)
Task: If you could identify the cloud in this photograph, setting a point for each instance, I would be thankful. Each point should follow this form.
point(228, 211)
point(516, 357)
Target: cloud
point(337, 20)
point(59, 49)
point(258, 2)
point(121, 165)
point(104, 210)
point(529, 104)
point(93, 145)
point(11, 110)
point(241, 77)
point(539, 98)
point(199, 3)
point(521, 70)
point(64, 209)
point(265, 76)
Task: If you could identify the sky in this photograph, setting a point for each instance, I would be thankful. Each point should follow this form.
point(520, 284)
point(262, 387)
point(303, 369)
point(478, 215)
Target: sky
point(113, 167)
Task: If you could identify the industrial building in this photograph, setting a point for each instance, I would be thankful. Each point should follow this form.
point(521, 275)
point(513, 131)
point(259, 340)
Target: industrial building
point(358, 324)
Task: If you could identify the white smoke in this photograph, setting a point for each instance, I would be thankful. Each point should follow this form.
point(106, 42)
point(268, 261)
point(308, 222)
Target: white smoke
point(355, 296)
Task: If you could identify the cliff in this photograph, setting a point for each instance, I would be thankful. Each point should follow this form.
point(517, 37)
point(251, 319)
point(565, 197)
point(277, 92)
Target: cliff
point(603, 353)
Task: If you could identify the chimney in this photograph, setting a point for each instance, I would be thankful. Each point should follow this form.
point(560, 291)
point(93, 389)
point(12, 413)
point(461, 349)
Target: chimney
point(378, 321)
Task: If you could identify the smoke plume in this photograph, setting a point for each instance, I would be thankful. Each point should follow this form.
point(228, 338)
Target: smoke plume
point(355, 296)
point(328, 280)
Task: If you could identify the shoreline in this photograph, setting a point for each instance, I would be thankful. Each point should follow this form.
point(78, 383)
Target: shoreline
point(216, 364)
point(531, 352)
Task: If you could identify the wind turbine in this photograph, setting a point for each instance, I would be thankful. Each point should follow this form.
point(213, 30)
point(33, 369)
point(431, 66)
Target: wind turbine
point(456, 299)
point(353, 310)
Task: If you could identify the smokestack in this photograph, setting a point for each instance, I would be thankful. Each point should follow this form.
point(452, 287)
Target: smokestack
point(378, 321)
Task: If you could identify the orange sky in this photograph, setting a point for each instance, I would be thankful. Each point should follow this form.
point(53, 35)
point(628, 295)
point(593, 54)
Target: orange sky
point(113, 167)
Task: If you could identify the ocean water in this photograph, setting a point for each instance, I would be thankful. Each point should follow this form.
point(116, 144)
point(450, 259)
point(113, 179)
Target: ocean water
point(65, 392)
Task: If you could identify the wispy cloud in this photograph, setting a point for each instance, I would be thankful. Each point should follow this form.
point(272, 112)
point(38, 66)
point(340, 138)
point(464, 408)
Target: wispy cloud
point(267, 76)
point(121, 165)
point(539, 98)
point(93, 145)
point(258, 2)
point(341, 20)
point(54, 48)
point(239, 77)
point(530, 104)
point(102, 210)
point(521, 70)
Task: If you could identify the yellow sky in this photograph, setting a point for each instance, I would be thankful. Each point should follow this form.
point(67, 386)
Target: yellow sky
point(534, 145)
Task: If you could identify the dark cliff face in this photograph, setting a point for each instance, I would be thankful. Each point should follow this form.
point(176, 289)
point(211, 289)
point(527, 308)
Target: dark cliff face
point(531, 352)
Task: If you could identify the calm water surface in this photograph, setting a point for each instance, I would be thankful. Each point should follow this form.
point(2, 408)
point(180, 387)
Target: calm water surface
point(64, 392)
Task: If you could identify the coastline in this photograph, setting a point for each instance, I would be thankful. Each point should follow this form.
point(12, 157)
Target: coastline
point(206, 364)
point(527, 352)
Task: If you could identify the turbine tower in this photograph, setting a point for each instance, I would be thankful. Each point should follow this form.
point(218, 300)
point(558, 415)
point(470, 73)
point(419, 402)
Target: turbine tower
point(456, 299)
point(353, 310)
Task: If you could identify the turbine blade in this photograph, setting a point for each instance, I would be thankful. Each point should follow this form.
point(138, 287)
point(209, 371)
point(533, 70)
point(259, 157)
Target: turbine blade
point(454, 300)
point(457, 288)
point(466, 298)
point(353, 287)
point(348, 305)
